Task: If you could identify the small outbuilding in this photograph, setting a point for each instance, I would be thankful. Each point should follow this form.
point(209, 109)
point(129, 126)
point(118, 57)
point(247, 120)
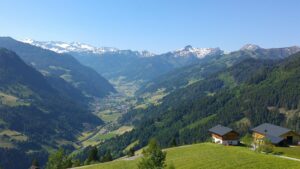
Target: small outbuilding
point(224, 135)
point(277, 135)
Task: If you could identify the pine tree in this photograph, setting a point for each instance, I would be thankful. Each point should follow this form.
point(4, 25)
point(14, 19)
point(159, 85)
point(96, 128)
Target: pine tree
point(93, 155)
point(131, 152)
point(35, 163)
point(59, 160)
point(153, 158)
point(107, 157)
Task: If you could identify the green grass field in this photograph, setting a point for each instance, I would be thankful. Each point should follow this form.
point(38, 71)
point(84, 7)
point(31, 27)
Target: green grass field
point(210, 156)
point(289, 151)
point(9, 137)
point(11, 100)
point(98, 137)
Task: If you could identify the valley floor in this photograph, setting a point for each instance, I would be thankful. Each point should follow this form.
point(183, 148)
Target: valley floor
point(209, 156)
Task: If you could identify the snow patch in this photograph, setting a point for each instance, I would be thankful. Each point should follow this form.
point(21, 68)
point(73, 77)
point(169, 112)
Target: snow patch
point(198, 52)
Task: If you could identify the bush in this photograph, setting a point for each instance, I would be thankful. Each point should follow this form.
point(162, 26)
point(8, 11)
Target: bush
point(247, 140)
point(266, 147)
point(130, 152)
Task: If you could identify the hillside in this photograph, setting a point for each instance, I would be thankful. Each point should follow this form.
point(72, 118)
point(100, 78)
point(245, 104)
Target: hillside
point(34, 117)
point(207, 155)
point(62, 66)
point(245, 95)
point(192, 73)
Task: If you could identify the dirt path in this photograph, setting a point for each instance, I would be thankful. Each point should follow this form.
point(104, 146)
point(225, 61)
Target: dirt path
point(289, 158)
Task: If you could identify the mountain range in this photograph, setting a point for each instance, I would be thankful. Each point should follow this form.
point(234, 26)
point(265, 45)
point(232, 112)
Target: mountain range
point(195, 72)
point(113, 63)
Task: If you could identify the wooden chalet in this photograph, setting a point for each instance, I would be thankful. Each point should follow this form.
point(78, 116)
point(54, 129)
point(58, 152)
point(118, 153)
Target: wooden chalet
point(275, 134)
point(224, 135)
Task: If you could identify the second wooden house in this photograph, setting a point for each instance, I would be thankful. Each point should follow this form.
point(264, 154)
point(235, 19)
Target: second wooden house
point(277, 135)
point(224, 135)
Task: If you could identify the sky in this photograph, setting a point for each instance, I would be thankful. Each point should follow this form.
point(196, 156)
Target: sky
point(155, 25)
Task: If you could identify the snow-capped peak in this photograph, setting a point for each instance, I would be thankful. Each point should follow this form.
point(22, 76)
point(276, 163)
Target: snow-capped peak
point(27, 40)
point(146, 53)
point(63, 47)
point(250, 47)
point(198, 52)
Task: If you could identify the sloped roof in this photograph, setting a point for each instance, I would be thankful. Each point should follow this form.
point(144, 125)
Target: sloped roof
point(274, 139)
point(220, 130)
point(271, 130)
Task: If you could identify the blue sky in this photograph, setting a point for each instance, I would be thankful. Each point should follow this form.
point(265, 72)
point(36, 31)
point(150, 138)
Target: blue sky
point(155, 25)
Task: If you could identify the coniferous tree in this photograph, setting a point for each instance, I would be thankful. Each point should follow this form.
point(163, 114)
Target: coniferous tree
point(153, 157)
point(93, 155)
point(59, 160)
point(35, 163)
point(131, 152)
point(107, 157)
point(76, 163)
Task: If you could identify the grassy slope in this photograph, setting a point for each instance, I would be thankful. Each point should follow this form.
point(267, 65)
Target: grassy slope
point(289, 151)
point(211, 156)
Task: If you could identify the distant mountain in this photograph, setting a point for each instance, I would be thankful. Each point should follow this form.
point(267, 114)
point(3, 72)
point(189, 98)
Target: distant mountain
point(192, 73)
point(62, 66)
point(200, 53)
point(272, 53)
point(113, 63)
point(63, 47)
point(250, 47)
point(34, 116)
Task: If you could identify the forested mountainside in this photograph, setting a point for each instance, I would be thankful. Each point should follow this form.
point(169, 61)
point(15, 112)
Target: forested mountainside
point(249, 93)
point(64, 66)
point(35, 117)
point(193, 73)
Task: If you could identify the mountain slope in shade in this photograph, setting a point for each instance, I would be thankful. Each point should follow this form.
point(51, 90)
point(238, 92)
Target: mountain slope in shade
point(33, 114)
point(60, 65)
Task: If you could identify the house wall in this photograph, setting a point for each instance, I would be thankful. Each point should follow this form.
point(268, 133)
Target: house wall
point(217, 139)
point(257, 137)
point(296, 137)
point(231, 136)
point(217, 136)
point(230, 140)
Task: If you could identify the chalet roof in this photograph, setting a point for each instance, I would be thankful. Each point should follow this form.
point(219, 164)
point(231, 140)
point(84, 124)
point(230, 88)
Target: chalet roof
point(271, 130)
point(274, 139)
point(220, 130)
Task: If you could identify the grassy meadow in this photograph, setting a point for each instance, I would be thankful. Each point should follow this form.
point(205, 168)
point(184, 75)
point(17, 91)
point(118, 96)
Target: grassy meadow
point(209, 156)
